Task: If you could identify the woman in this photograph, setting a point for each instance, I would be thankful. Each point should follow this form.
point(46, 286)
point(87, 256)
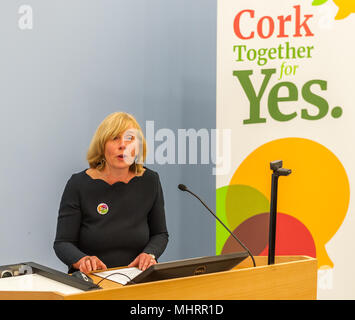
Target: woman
point(112, 214)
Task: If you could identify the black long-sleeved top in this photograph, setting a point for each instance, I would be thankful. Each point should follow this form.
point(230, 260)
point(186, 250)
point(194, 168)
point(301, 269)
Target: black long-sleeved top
point(113, 222)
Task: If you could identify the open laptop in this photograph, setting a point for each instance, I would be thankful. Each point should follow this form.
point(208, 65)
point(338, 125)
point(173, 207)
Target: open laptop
point(189, 267)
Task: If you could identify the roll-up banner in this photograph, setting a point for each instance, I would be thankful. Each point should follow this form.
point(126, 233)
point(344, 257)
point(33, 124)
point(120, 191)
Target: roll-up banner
point(286, 91)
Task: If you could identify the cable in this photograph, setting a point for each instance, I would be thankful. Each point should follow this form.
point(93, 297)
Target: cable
point(112, 274)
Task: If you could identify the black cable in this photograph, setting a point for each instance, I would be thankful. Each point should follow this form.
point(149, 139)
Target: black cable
point(112, 274)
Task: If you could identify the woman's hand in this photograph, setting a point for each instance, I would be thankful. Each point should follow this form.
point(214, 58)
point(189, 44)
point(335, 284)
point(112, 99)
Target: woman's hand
point(88, 264)
point(143, 261)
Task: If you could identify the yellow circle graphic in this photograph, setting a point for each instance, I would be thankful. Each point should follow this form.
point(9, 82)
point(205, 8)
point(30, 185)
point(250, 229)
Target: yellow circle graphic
point(317, 192)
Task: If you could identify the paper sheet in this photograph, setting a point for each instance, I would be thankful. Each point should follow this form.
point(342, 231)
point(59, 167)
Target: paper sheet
point(121, 276)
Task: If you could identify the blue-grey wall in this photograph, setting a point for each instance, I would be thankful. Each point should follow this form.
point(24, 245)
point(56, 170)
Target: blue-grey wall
point(82, 61)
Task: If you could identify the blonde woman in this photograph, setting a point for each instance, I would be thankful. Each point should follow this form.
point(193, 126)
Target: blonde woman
point(112, 214)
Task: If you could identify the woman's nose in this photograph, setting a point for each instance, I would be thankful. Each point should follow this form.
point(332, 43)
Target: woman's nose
point(121, 144)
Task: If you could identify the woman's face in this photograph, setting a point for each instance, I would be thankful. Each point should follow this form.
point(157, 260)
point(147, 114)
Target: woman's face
point(120, 151)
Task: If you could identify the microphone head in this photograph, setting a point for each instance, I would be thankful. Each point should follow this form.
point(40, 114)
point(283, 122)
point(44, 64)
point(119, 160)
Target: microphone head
point(182, 187)
point(283, 171)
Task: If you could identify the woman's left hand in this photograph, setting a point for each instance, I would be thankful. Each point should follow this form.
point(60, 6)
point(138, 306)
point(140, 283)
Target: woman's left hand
point(143, 261)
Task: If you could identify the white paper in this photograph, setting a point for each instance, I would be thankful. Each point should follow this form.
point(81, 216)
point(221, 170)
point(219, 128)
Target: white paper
point(121, 276)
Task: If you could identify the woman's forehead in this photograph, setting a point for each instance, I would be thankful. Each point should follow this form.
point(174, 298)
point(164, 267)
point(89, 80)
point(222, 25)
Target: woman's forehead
point(123, 130)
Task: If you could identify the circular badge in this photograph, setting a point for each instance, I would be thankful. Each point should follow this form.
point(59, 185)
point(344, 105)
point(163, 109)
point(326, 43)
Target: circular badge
point(102, 208)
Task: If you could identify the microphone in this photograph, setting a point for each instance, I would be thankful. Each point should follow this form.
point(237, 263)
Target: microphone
point(182, 187)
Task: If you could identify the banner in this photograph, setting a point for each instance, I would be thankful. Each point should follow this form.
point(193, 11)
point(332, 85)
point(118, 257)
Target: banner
point(285, 89)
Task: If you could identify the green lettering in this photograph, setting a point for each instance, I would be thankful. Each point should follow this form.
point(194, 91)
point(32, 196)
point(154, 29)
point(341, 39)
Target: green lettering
point(254, 99)
point(239, 52)
point(314, 99)
point(274, 99)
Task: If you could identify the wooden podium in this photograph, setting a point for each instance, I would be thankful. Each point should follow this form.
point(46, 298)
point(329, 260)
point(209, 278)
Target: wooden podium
point(291, 277)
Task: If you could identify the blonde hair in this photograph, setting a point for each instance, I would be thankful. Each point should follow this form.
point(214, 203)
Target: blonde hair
point(112, 126)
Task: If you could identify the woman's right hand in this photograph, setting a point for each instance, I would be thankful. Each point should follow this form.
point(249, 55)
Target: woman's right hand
point(88, 264)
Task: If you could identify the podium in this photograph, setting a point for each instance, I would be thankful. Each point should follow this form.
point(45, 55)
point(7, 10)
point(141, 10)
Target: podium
point(290, 278)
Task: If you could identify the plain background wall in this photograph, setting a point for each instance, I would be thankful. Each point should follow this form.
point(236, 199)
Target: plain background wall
point(82, 61)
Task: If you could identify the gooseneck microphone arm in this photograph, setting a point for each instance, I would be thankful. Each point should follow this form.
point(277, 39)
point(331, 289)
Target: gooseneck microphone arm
point(182, 187)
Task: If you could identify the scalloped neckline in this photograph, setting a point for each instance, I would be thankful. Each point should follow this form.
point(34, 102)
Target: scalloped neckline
point(117, 182)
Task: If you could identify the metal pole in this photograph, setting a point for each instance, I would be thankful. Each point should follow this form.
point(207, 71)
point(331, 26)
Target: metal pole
point(272, 222)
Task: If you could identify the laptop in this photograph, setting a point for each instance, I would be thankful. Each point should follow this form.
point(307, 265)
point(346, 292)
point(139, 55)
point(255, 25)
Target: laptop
point(189, 267)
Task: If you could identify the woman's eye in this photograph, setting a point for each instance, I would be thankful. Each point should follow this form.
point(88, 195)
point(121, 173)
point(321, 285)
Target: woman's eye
point(129, 138)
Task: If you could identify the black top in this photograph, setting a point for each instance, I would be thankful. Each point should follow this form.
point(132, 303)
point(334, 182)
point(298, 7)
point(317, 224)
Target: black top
point(113, 222)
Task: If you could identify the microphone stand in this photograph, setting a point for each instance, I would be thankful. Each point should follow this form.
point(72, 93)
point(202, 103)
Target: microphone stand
point(278, 171)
